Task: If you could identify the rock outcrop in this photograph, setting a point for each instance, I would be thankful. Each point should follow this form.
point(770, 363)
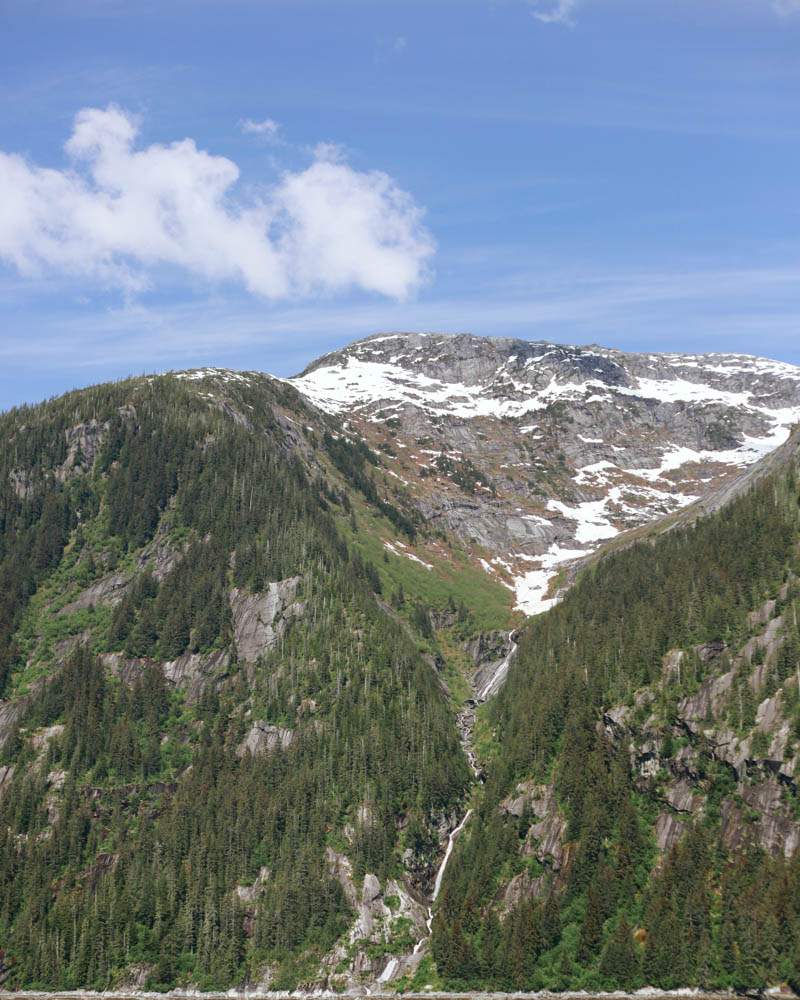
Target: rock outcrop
point(83, 443)
point(190, 671)
point(10, 711)
point(760, 763)
point(379, 945)
point(545, 836)
point(264, 737)
point(259, 620)
point(6, 774)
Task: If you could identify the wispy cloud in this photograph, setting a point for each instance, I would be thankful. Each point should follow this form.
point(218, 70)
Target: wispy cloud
point(268, 128)
point(696, 310)
point(563, 11)
point(549, 12)
point(118, 215)
point(388, 48)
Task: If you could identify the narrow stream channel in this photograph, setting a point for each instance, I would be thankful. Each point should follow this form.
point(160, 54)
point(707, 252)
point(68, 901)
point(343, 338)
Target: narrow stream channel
point(490, 687)
point(439, 876)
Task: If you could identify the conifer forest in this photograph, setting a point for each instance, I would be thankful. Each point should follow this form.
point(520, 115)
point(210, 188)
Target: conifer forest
point(238, 729)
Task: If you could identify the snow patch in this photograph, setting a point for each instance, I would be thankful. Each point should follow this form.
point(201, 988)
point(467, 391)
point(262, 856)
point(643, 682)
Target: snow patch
point(222, 374)
point(532, 586)
point(591, 518)
point(398, 549)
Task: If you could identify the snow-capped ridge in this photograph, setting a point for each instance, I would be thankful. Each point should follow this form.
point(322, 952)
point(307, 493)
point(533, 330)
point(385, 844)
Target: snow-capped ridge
point(580, 443)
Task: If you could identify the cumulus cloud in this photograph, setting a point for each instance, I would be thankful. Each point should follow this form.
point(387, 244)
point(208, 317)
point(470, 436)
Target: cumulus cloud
point(118, 213)
point(558, 12)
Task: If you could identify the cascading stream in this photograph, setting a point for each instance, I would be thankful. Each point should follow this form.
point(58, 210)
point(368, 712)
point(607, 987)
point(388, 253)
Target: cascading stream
point(439, 876)
point(493, 684)
point(466, 721)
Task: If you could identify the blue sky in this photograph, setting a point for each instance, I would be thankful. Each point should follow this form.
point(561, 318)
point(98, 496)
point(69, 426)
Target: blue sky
point(251, 183)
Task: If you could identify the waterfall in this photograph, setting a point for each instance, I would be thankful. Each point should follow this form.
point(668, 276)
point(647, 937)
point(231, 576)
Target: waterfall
point(439, 876)
point(495, 682)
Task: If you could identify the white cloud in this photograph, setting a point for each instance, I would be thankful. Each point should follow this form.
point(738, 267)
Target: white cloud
point(561, 11)
point(399, 44)
point(117, 213)
point(268, 128)
point(558, 12)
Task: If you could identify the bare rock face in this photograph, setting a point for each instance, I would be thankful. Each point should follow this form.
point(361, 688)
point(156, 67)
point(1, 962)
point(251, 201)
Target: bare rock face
point(377, 911)
point(672, 665)
point(259, 620)
point(764, 769)
point(135, 977)
point(250, 893)
point(42, 739)
point(128, 668)
point(545, 837)
point(778, 831)
point(235, 415)
point(159, 557)
point(573, 444)
point(764, 614)
point(264, 737)
point(710, 700)
point(769, 641)
point(83, 441)
point(108, 590)
point(615, 721)
point(22, 483)
point(10, 711)
point(492, 653)
point(769, 716)
point(681, 797)
point(342, 871)
point(524, 794)
point(487, 647)
point(193, 671)
point(6, 774)
point(292, 439)
point(734, 829)
point(668, 829)
point(547, 840)
point(520, 889)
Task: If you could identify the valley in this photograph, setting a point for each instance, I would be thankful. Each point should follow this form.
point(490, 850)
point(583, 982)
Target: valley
point(274, 715)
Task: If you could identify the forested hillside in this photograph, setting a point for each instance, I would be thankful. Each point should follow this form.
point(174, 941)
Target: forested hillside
point(203, 695)
point(239, 720)
point(640, 819)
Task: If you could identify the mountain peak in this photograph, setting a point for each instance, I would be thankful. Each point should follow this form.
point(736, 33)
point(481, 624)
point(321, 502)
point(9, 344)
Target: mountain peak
point(472, 376)
point(570, 445)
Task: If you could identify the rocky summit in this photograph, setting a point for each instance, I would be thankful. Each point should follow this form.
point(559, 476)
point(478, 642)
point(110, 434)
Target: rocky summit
point(533, 453)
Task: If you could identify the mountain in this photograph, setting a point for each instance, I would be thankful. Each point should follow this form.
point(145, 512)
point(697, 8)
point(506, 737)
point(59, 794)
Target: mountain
point(639, 822)
point(533, 453)
point(229, 750)
point(252, 636)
